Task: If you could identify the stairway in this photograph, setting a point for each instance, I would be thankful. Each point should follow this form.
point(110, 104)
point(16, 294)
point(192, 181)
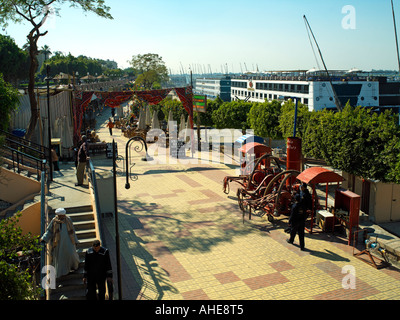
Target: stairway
point(19, 154)
point(71, 287)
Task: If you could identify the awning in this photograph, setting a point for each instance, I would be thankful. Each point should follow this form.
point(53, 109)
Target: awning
point(255, 148)
point(317, 175)
point(248, 138)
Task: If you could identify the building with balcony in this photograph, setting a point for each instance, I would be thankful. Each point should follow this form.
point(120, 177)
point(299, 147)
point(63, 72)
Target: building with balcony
point(315, 90)
point(214, 87)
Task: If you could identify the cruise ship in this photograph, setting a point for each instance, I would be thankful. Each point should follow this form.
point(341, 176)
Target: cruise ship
point(316, 90)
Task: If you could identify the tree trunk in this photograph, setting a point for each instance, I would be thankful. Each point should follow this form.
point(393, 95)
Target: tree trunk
point(31, 87)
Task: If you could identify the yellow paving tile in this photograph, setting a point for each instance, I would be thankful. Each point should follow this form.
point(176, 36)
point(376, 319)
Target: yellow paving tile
point(198, 238)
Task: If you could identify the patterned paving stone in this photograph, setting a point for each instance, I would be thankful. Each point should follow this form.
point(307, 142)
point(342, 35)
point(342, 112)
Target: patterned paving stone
point(281, 266)
point(198, 294)
point(265, 281)
point(168, 262)
point(227, 277)
point(183, 238)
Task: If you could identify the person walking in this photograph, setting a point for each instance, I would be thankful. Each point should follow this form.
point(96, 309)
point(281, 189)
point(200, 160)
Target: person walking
point(305, 197)
point(110, 125)
point(97, 270)
point(54, 159)
point(63, 240)
point(297, 221)
point(83, 157)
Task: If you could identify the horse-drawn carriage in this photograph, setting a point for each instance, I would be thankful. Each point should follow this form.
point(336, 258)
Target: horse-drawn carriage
point(267, 186)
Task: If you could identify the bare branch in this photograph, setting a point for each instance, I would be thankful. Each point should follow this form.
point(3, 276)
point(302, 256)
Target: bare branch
point(20, 13)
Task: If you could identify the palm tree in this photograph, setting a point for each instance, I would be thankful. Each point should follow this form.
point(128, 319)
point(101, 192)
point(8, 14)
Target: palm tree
point(46, 51)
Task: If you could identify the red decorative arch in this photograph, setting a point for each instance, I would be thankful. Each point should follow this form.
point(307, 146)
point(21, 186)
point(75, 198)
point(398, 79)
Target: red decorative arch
point(115, 99)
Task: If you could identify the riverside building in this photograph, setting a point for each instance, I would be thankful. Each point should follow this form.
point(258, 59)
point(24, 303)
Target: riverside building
point(214, 87)
point(314, 89)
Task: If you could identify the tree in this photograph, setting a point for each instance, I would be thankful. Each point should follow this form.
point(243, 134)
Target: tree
point(16, 282)
point(232, 115)
point(206, 117)
point(9, 99)
point(175, 106)
point(46, 51)
point(13, 60)
point(36, 13)
point(151, 70)
point(394, 172)
point(355, 140)
point(70, 64)
point(264, 119)
point(286, 120)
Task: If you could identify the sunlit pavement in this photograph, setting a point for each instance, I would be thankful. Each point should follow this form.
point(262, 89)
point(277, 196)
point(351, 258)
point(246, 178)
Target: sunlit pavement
point(182, 238)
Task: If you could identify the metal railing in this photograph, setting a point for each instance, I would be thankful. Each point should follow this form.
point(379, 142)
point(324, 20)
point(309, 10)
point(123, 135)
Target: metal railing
point(20, 159)
point(23, 143)
point(22, 152)
point(91, 173)
point(45, 254)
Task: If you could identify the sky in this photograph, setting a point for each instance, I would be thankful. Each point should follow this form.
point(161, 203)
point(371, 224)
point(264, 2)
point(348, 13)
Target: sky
point(233, 35)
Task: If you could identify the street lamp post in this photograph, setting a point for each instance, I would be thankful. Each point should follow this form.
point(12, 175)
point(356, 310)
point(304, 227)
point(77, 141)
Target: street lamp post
point(48, 121)
point(117, 240)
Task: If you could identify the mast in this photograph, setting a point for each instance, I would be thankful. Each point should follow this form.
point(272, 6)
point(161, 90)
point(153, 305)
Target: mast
point(337, 101)
point(395, 34)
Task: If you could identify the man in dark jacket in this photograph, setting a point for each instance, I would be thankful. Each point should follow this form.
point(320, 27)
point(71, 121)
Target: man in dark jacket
point(305, 196)
point(83, 157)
point(297, 221)
point(97, 270)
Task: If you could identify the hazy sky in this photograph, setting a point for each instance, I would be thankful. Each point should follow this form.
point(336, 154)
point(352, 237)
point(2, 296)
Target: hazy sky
point(232, 33)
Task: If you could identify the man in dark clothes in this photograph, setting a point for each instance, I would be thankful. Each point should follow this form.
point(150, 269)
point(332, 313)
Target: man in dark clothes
point(306, 199)
point(83, 157)
point(97, 270)
point(297, 221)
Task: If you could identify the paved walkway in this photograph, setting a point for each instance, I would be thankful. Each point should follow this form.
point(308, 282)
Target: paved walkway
point(182, 238)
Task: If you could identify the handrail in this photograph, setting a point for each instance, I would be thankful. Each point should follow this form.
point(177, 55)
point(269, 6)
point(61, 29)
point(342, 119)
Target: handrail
point(40, 164)
point(44, 255)
point(42, 153)
point(92, 176)
point(43, 149)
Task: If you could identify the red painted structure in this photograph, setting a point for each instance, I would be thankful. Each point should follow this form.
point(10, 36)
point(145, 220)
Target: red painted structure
point(294, 154)
point(253, 150)
point(350, 202)
point(314, 176)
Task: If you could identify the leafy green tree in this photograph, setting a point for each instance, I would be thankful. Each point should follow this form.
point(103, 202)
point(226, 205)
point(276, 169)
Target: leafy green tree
point(13, 60)
point(9, 100)
point(113, 73)
point(394, 171)
point(286, 119)
point(69, 64)
point(151, 70)
point(313, 142)
point(46, 51)
point(356, 140)
point(264, 119)
point(206, 117)
point(176, 107)
point(36, 13)
point(16, 283)
point(232, 115)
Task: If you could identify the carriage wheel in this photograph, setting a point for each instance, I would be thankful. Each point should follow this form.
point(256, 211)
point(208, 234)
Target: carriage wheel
point(280, 192)
point(240, 197)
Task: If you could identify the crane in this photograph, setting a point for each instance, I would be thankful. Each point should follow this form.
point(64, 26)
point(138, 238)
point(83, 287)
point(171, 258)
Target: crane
point(337, 101)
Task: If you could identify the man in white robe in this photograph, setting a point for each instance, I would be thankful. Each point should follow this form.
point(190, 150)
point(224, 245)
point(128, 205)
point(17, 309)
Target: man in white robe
point(63, 240)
